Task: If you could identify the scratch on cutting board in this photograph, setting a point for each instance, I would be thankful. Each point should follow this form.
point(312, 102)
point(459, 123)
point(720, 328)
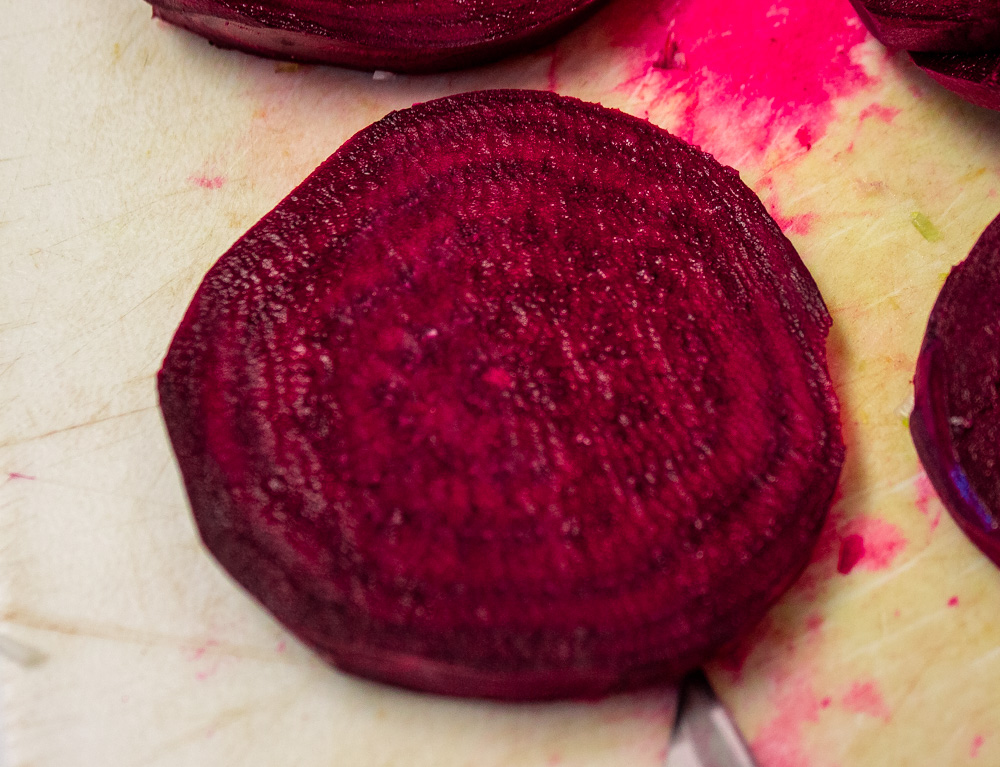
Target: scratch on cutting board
point(92, 422)
point(224, 719)
point(275, 707)
point(135, 636)
point(19, 652)
point(172, 281)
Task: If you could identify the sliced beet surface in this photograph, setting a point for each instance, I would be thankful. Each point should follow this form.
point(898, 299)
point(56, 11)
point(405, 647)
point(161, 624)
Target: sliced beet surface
point(973, 76)
point(933, 25)
point(395, 35)
point(956, 416)
point(515, 396)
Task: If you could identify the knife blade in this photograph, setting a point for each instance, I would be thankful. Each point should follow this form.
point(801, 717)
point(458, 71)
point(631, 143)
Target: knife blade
point(705, 734)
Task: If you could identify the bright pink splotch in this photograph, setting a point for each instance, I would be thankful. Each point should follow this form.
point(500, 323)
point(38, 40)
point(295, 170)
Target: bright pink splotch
point(866, 698)
point(18, 475)
point(953, 602)
point(748, 73)
point(208, 182)
point(779, 741)
point(882, 541)
point(977, 743)
point(852, 551)
point(926, 494)
point(869, 543)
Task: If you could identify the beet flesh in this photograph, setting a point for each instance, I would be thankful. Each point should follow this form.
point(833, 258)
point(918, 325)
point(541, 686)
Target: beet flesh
point(973, 76)
point(956, 42)
point(514, 397)
point(956, 416)
point(933, 25)
point(394, 35)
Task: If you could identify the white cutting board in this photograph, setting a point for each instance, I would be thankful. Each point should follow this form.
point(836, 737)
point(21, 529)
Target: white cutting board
point(132, 155)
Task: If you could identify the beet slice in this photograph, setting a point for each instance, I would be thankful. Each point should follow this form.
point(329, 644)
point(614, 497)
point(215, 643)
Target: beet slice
point(397, 35)
point(956, 416)
point(975, 77)
point(515, 396)
point(933, 25)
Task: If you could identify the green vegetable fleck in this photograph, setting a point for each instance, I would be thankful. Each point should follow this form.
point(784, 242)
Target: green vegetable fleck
point(925, 226)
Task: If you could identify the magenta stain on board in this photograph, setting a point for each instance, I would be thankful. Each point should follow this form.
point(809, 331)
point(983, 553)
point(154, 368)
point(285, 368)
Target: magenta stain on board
point(977, 743)
point(19, 475)
point(953, 602)
point(799, 223)
point(880, 112)
point(779, 743)
point(852, 551)
point(868, 542)
point(866, 698)
point(925, 494)
point(880, 542)
point(209, 661)
point(208, 182)
point(281, 647)
point(750, 73)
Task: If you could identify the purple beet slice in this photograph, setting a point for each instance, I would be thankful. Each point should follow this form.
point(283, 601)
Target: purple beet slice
point(515, 397)
point(395, 35)
point(973, 76)
point(933, 25)
point(956, 416)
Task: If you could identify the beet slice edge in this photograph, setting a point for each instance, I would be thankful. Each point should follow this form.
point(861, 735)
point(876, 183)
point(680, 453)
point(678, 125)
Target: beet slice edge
point(973, 76)
point(514, 397)
point(955, 422)
point(395, 35)
point(932, 25)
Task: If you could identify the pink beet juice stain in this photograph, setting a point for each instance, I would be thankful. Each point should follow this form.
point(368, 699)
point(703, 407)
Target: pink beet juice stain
point(925, 494)
point(852, 551)
point(977, 743)
point(750, 73)
point(866, 698)
point(779, 741)
point(208, 182)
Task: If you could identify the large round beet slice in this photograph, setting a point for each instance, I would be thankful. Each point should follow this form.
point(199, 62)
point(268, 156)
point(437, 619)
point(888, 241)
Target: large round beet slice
point(933, 25)
point(515, 396)
point(956, 417)
point(398, 35)
point(973, 76)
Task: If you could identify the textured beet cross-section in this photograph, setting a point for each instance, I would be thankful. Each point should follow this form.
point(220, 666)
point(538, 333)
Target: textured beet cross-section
point(515, 396)
point(933, 25)
point(956, 417)
point(973, 76)
point(398, 35)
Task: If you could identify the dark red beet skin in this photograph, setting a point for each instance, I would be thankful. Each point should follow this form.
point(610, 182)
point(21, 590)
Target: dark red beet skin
point(514, 397)
point(956, 417)
point(933, 25)
point(395, 35)
point(974, 76)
